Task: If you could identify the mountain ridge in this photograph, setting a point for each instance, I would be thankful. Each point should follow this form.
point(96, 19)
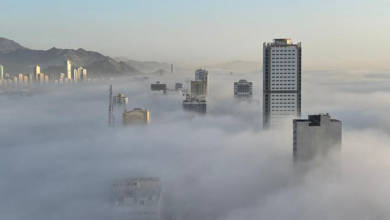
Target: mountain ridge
point(16, 58)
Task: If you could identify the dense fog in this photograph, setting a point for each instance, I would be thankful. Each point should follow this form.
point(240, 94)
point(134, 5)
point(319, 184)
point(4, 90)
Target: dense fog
point(59, 158)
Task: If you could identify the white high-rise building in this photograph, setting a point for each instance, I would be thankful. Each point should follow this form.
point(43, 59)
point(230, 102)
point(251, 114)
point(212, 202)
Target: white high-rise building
point(281, 81)
point(37, 71)
point(68, 69)
point(316, 136)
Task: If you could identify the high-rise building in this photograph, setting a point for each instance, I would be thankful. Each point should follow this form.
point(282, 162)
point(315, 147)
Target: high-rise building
point(243, 88)
point(1, 72)
point(281, 81)
point(31, 77)
point(68, 69)
point(84, 74)
point(36, 71)
point(136, 116)
point(25, 79)
point(316, 136)
point(20, 78)
point(139, 197)
point(198, 88)
point(202, 75)
point(195, 104)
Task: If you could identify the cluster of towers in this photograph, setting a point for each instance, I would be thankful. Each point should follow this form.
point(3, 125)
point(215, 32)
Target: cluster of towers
point(119, 102)
point(37, 76)
point(282, 95)
point(196, 100)
point(77, 74)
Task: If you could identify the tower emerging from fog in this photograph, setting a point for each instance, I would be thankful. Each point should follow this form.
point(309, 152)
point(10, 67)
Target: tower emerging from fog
point(199, 86)
point(243, 88)
point(37, 72)
point(1, 72)
point(281, 81)
point(68, 69)
point(316, 136)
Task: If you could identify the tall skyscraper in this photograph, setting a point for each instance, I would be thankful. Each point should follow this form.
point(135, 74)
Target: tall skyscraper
point(198, 88)
point(201, 77)
point(195, 104)
point(37, 71)
point(1, 72)
point(281, 81)
point(68, 69)
point(316, 136)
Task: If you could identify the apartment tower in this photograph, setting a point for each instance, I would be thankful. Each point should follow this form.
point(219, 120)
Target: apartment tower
point(281, 81)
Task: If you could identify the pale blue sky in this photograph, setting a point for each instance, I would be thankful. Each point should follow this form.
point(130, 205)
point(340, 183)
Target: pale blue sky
point(346, 32)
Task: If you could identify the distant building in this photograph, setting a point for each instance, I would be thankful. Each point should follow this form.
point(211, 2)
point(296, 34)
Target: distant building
point(37, 71)
point(1, 72)
point(136, 116)
point(139, 196)
point(198, 88)
point(68, 69)
point(158, 87)
point(25, 80)
point(178, 86)
point(84, 74)
point(281, 81)
point(20, 78)
point(316, 136)
point(243, 88)
point(31, 77)
point(202, 75)
point(120, 99)
point(195, 104)
point(79, 74)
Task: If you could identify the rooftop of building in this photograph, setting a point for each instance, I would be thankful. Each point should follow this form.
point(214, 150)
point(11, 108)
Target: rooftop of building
point(282, 42)
point(315, 120)
point(136, 110)
point(243, 81)
point(194, 99)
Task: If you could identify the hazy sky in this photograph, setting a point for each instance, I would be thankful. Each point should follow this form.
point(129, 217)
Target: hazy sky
point(335, 34)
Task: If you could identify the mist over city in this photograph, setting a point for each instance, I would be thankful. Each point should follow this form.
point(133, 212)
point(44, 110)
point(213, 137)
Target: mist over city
point(148, 128)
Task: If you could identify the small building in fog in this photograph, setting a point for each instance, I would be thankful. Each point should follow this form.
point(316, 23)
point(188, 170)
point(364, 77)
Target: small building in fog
point(243, 88)
point(195, 104)
point(136, 116)
point(198, 88)
point(138, 196)
point(178, 86)
point(158, 87)
point(120, 99)
point(316, 136)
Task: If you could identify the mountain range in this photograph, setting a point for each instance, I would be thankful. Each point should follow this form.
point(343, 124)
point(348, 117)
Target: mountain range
point(18, 59)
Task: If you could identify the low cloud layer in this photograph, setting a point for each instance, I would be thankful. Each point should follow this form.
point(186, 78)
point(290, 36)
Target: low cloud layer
point(58, 157)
